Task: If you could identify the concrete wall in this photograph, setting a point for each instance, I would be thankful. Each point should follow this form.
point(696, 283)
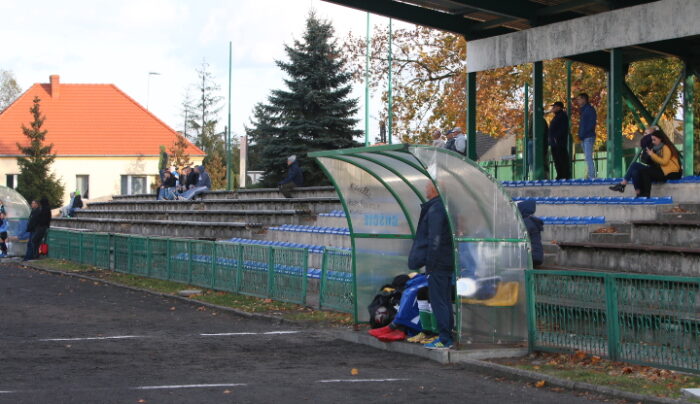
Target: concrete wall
point(652, 22)
point(104, 172)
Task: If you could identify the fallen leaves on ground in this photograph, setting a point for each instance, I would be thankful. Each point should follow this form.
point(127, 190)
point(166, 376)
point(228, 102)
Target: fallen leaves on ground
point(354, 372)
point(605, 230)
point(540, 384)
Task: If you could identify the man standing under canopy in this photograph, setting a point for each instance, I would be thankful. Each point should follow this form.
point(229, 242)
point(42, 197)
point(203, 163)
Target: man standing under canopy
point(432, 248)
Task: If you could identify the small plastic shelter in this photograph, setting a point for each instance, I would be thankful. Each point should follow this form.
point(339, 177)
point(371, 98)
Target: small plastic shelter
point(382, 188)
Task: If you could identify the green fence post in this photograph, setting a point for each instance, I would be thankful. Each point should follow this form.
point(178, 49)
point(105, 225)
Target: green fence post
point(612, 317)
point(94, 250)
point(239, 267)
point(530, 310)
point(322, 286)
point(270, 271)
point(149, 258)
point(213, 264)
point(304, 276)
point(189, 262)
point(168, 247)
point(130, 255)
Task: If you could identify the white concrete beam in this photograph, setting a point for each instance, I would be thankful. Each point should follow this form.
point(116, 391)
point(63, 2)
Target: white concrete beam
point(651, 22)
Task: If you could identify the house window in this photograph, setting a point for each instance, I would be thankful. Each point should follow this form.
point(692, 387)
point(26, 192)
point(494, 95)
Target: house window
point(134, 184)
point(11, 180)
point(82, 184)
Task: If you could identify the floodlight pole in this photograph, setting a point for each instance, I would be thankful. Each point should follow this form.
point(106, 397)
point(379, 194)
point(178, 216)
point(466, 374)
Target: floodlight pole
point(367, 86)
point(570, 146)
point(390, 98)
point(229, 177)
point(148, 87)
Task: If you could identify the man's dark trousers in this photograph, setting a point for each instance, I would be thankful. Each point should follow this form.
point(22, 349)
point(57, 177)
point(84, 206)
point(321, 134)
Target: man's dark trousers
point(440, 293)
point(560, 154)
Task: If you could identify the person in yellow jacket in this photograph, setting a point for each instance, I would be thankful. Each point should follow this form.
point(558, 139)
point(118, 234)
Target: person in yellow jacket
point(667, 163)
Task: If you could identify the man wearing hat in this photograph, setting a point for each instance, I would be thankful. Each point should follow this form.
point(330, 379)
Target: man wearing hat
point(295, 178)
point(558, 139)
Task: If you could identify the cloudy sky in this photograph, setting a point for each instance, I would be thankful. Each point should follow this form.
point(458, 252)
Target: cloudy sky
point(120, 42)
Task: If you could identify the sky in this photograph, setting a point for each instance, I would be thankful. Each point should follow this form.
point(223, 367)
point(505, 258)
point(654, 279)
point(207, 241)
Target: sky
point(120, 42)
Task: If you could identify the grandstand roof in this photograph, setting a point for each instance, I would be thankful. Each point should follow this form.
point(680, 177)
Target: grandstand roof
point(478, 19)
point(87, 120)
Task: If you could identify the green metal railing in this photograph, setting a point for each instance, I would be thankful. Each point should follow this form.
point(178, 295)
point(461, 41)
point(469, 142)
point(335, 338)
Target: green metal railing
point(279, 273)
point(645, 319)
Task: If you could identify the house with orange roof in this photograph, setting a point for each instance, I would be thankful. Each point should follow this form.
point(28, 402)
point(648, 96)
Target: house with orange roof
point(105, 142)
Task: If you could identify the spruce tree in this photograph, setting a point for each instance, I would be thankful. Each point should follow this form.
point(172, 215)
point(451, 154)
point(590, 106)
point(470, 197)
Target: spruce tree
point(35, 177)
point(313, 113)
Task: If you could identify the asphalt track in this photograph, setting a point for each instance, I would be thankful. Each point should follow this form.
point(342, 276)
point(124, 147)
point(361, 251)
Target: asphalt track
point(66, 340)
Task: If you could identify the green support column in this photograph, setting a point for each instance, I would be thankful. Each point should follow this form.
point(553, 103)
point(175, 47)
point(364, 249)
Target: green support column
point(526, 134)
point(538, 122)
point(688, 123)
point(570, 146)
point(471, 116)
point(616, 79)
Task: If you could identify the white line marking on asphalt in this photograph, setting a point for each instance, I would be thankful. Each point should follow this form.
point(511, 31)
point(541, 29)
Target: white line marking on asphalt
point(93, 338)
point(226, 334)
point(360, 380)
point(6, 392)
point(188, 386)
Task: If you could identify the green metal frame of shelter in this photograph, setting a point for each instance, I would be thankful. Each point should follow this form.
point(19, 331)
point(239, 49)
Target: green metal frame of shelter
point(381, 191)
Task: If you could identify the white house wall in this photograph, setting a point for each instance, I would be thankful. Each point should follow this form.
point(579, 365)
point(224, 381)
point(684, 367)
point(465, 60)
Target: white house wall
point(104, 172)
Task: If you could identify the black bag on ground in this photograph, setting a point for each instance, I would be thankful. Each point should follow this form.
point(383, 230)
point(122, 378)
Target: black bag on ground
point(382, 310)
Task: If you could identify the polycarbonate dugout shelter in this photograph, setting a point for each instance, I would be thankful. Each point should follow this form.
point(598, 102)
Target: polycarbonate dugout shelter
point(382, 188)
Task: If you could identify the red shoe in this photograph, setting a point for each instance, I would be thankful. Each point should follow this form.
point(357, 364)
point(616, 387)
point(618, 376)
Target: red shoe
point(395, 335)
point(376, 332)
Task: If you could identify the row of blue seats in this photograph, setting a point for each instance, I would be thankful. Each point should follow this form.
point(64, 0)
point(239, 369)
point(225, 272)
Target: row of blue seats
point(333, 213)
point(313, 249)
point(583, 181)
point(573, 219)
point(590, 200)
point(341, 231)
point(550, 183)
point(314, 273)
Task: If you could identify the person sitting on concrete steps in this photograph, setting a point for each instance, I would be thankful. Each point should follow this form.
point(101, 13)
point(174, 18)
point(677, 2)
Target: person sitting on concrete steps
point(167, 188)
point(294, 178)
point(665, 165)
point(632, 170)
point(203, 185)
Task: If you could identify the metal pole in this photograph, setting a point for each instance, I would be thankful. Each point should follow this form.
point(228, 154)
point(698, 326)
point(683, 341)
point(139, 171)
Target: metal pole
point(538, 141)
point(367, 86)
point(570, 145)
point(526, 134)
point(471, 116)
point(243, 161)
point(390, 97)
point(229, 176)
point(689, 122)
point(617, 77)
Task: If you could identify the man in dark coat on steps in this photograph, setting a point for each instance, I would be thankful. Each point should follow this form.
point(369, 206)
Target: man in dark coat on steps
point(294, 178)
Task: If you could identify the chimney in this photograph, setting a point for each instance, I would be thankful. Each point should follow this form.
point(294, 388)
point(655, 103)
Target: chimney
point(55, 86)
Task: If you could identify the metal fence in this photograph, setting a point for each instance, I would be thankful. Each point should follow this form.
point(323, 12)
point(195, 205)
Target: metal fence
point(279, 273)
point(644, 319)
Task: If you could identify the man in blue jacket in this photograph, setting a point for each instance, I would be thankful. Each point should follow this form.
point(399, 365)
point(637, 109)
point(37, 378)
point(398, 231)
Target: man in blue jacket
point(558, 137)
point(586, 131)
point(432, 248)
point(294, 178)
point(203, 185)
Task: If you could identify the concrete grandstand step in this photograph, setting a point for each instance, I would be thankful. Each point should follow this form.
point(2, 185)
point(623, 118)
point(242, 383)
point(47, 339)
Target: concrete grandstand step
point(580, 232)
point(265, 217)
point(677, 233)
point(636, 258)
point(331, 221)
point(612, 238)
point(312, 205)
point(680, 192)
point(301, 192)
point(166, 228)
point(612, 213)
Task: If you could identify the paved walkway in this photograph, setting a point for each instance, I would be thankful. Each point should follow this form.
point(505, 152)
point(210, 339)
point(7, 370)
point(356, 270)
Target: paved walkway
point(68, 340)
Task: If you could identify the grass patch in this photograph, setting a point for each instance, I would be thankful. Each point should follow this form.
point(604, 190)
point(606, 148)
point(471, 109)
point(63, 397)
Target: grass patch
point(250, 304)
point(581, 367)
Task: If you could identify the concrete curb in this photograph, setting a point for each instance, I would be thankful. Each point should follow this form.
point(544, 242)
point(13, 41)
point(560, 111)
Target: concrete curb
point(470, 360)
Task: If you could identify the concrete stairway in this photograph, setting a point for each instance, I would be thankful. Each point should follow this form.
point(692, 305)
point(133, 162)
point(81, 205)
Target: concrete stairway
point(661, 239)
point(217, 215)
